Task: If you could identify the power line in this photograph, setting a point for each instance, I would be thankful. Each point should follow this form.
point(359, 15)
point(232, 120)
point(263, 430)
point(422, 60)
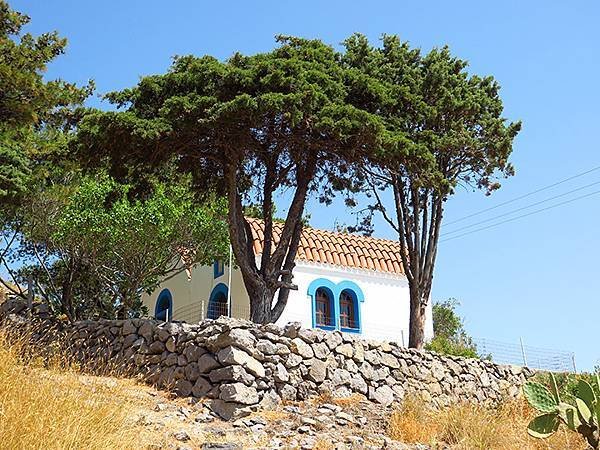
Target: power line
point(522, 215)
point(522, 208)
point(524, 196)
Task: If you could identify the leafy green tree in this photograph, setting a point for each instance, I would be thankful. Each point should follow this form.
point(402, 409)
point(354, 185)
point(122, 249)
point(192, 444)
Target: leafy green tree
point(133, 245)
point(30, 108)
point(250, 127)
point(96, 250)
point(450, 337)
point(443, 128)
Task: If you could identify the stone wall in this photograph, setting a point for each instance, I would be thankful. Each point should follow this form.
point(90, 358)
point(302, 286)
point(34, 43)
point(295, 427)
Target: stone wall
point(240, 365)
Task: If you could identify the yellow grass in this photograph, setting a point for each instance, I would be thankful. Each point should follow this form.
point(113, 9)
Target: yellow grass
point(471, 427)
point(54, 408)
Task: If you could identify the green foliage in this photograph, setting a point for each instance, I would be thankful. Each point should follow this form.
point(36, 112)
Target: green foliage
point(29, 106)
point(441, 127)
point(133, 244)
point(450, 337)
point(583, 416)
point(250, 127)
point(96, 246)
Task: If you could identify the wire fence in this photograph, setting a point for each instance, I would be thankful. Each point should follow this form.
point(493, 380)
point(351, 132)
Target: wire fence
point(526, 355)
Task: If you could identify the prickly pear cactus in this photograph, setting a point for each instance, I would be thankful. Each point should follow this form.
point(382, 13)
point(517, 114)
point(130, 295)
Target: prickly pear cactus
point(583, 417)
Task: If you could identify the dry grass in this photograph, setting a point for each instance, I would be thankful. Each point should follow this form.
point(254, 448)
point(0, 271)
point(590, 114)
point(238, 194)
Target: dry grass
point(351, 400)
point(470, 427)
point(54, 407)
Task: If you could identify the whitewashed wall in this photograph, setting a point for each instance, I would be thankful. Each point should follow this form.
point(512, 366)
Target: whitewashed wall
point(384, 314)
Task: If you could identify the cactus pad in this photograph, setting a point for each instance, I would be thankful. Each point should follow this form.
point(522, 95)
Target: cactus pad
point(539, 397)
point(543, 426)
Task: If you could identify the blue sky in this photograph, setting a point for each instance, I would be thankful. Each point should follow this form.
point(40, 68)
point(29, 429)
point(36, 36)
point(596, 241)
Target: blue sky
point(534, 278)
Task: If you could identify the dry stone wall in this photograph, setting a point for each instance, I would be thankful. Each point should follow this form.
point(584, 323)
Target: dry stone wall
point(241, 366)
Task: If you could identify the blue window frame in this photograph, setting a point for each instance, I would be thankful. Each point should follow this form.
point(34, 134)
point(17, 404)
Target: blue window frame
point(350, 296)
point(217, 304)
point(163, 309)
point(336, 306)
point(218, 268)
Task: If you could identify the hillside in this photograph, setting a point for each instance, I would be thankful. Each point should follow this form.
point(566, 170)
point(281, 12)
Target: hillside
point(57, 407)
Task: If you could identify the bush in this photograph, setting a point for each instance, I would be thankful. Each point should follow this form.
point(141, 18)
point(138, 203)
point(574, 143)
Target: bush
point(450, 337)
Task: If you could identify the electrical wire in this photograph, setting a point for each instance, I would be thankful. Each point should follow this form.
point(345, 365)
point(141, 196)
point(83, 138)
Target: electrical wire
point(499, 216)
point(528, 194)
point(521, 216)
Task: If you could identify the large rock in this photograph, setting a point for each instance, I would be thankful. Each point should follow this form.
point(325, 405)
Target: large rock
point(345, 349)
point(280, 374)
point(233, 355)
point(300, 347)
point(201, 387)
point(317, 371)
point(231, 373)
point(238, 393)
point(207, 363)
point(237, 337)
point(229, 410)
point(193, 352)
point(183, 388)
point(383, 395)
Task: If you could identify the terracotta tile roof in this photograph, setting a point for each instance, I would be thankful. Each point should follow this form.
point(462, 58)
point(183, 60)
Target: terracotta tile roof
point(339, 249)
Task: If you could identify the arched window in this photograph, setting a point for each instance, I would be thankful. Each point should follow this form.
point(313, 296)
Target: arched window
point(348, 310)
point(164, 306)
point(324, 315)
point(217, 305)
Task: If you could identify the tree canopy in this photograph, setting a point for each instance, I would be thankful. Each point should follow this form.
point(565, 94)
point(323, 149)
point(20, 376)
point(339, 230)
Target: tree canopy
point(250, 127)
point(443, 128)
point(30, 107)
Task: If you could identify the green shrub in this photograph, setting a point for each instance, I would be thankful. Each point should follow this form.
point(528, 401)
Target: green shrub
point(450, 337)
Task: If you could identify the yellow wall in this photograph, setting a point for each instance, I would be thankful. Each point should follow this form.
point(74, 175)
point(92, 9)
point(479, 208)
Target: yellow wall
point(191, 296)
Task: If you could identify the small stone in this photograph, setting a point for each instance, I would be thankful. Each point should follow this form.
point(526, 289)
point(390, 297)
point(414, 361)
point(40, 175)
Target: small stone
point(182, 436)
point(291, 409)
point(204, 418)
point(303, 429)
point(220, 446)
point(344, 416)
point(308, 421)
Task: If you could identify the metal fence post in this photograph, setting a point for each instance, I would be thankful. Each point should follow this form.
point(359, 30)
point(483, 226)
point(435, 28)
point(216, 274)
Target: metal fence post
point(523, 352)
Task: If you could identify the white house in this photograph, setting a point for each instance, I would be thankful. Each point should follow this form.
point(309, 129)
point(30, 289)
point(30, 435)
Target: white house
point(345, 281)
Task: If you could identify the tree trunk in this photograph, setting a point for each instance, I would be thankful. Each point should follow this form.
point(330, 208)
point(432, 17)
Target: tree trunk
point(261, 299)
point(418, 308)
